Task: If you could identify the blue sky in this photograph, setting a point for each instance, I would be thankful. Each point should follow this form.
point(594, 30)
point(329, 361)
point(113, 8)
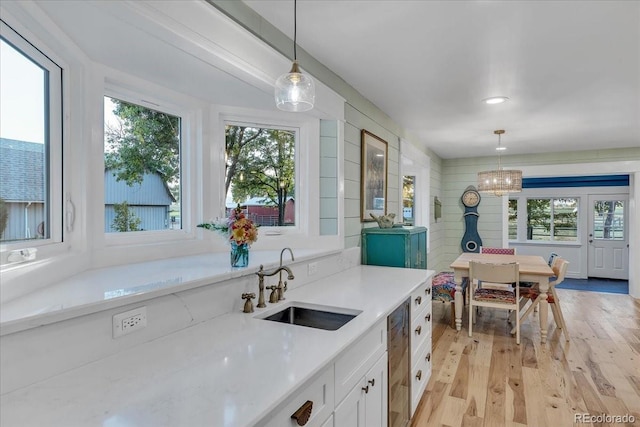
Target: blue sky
point(21, 96)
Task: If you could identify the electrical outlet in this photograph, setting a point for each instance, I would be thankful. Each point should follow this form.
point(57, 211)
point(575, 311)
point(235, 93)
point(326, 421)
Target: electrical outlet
point(129, 321)
point(313, 268)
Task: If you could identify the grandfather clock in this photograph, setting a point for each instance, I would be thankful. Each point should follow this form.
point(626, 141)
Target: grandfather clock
point(471, 240)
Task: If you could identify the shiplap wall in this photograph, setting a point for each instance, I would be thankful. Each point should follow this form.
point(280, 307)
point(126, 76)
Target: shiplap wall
point(457, 174)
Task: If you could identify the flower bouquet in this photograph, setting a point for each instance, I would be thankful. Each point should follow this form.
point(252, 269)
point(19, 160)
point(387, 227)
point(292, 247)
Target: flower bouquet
point(241, 233)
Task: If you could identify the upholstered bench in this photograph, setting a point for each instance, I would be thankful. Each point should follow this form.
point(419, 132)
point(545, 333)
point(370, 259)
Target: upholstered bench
point(443, 288)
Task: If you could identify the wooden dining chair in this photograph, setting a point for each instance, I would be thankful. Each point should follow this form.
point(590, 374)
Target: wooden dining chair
point(533, 294)
point(504, 297)
point(497, 251)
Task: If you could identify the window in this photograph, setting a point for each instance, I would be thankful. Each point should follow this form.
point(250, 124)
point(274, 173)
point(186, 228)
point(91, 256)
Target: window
point(513, 219)
point(30, 142)
point(408, 199)
point(260, 173)
point(142, 168)
point(552, 219)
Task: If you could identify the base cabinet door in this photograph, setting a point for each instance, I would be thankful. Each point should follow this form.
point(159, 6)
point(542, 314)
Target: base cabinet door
point(375, 404)
point(350, 413)
point(366, 404)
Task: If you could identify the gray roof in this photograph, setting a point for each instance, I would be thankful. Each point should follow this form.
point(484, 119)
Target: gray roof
point(21, 171)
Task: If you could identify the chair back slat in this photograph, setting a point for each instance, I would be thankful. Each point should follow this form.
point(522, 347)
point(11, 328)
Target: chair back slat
point(560, 270)
point(494, 273)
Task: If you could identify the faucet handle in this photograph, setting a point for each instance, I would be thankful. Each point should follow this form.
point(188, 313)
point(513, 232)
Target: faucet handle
point(248, 304)
point(273, 297)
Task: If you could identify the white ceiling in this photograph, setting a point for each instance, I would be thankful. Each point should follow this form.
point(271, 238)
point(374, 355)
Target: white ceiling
point(570, 68)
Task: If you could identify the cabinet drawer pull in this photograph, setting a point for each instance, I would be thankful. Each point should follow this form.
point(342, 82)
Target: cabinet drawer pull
point(372, 382)
point(427, 291)
point(303, 413)
point(419, 300)
point(418, 330)
point(365, 389)
point(428, 317)
point(428, 357)
point(419, 375)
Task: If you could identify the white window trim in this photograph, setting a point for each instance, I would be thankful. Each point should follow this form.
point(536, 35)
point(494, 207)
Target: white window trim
point(306, 232)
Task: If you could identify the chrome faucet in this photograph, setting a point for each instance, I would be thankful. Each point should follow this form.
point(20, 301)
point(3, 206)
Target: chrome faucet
point(282, 287)
point(261, 275)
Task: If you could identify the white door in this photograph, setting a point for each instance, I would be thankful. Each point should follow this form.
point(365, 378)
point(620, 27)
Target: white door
point(608, 236)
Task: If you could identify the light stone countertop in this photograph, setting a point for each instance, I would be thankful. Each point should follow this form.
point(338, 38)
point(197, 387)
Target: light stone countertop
point(126, 284)
point(229, 371)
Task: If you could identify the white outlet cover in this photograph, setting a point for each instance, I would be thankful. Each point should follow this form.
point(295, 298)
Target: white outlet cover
point(129, 321)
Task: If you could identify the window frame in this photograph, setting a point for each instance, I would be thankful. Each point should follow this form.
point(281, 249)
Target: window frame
point(164, 102)
point(37, 52)
point(275, 230)
point(307, 167)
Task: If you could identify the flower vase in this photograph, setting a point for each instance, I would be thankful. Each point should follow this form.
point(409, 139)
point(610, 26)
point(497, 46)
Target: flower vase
point(239, 254)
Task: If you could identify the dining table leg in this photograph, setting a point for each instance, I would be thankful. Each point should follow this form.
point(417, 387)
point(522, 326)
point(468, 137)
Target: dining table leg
point(543, 284)
point(458, 298)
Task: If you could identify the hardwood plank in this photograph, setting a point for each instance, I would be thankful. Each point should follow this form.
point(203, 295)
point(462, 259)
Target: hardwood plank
point(487, 380)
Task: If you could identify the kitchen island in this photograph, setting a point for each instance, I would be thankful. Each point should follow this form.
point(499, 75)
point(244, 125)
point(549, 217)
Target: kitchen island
point(233, 370)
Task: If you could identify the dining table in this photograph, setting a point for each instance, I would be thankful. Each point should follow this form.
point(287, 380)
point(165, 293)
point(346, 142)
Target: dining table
point(532, 268)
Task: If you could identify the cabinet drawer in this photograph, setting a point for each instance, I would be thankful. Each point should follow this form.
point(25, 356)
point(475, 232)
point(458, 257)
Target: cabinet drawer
point(420, 374)
point(421, 298)
point(353, 364)
point(320, 391)
point(421, 327)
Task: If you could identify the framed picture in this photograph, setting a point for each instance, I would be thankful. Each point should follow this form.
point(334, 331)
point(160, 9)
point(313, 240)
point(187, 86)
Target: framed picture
point(373, 178)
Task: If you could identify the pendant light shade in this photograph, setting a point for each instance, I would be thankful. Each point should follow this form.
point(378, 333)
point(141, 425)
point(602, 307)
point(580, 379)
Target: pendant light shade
point(500, 181)
point(295, 91)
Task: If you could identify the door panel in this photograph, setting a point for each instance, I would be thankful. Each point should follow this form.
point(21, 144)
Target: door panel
point(608, 236)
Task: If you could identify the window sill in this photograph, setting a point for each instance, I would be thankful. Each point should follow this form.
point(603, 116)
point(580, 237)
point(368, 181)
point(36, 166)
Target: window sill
point(106, 288)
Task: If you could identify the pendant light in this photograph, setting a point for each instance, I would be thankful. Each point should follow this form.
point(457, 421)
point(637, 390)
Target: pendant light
point(500, 181)
point(295, 91)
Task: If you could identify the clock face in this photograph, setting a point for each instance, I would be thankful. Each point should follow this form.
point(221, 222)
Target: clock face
point(470, 198)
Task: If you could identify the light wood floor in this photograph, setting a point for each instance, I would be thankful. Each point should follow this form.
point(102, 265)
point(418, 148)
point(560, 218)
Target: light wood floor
point(488, 380)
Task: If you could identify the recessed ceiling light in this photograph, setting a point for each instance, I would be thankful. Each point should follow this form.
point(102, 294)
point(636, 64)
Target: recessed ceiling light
point(501, 148)
point(495, 100)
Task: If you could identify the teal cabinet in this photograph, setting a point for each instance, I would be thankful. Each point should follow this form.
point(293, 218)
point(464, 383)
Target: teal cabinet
point(395, 247)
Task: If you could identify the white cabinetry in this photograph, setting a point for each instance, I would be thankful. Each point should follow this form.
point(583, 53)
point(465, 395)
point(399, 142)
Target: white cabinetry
point(319, 392)
point(420, 342)
point(366, 403)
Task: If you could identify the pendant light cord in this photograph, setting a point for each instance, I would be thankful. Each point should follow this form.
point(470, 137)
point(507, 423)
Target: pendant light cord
point(295, 29)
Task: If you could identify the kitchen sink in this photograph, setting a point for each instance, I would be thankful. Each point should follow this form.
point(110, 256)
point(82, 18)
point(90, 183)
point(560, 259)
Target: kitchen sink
point(314, 316)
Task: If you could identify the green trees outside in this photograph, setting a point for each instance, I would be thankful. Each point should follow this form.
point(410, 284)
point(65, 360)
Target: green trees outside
point(125, 219)
point(146, 141)
point(260, 163)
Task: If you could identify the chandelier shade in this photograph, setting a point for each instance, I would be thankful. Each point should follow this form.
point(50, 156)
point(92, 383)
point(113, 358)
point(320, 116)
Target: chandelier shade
point(295, 91)
point(500, 181)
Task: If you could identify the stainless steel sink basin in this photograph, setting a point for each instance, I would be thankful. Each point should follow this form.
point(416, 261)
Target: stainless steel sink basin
point(313, 316)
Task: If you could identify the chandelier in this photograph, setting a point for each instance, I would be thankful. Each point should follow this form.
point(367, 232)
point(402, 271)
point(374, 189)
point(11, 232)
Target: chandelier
point(500, 181)
point(295, 91)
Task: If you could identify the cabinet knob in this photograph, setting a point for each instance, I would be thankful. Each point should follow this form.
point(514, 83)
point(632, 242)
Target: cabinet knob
point(419, 300)
point(428, 357)
point(303, 413)
point(372, 382)
point(427, 291)
point(418, 330)
point(428, 317)
point(419, 375)
point(365, 389)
